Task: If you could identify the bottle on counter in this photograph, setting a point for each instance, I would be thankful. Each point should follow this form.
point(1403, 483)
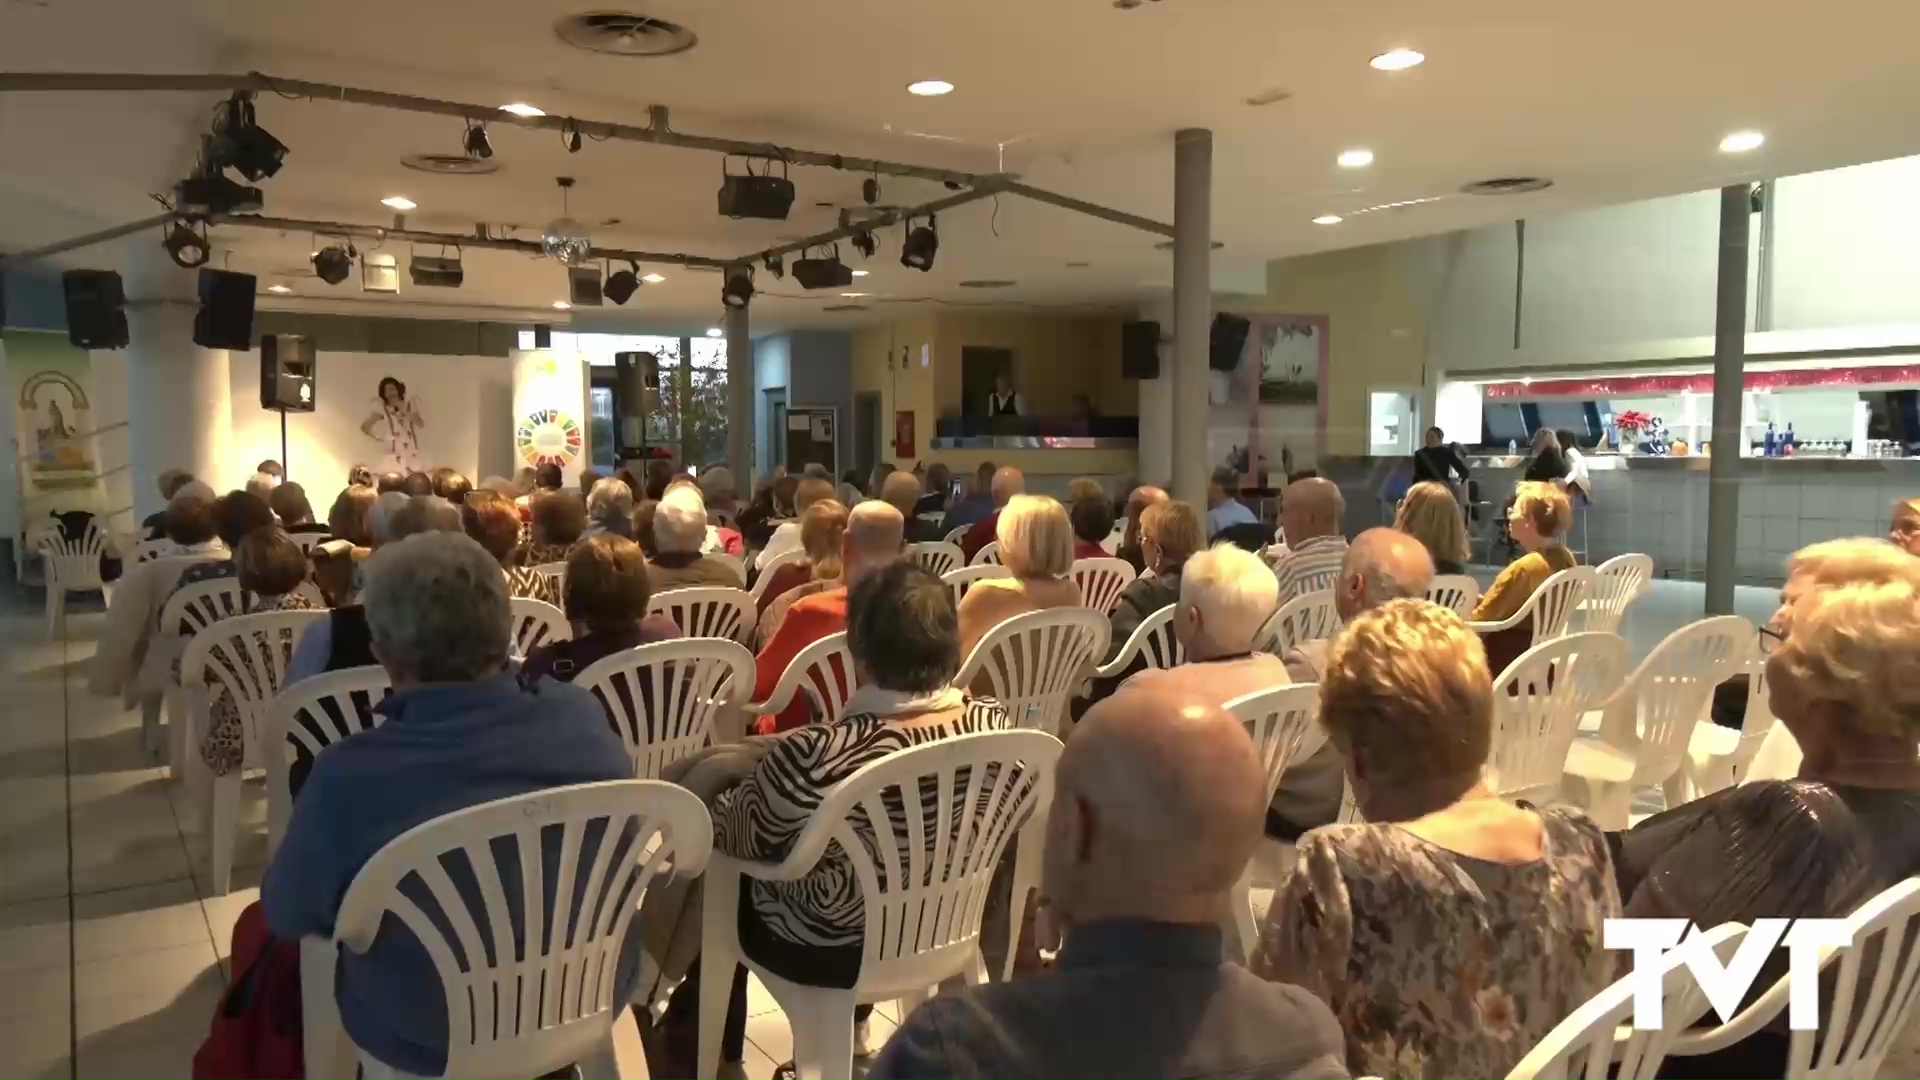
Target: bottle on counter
point(1767, 444)
point(1787, 441)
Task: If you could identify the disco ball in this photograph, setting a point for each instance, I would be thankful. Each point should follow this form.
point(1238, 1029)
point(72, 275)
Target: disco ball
point(566, 240)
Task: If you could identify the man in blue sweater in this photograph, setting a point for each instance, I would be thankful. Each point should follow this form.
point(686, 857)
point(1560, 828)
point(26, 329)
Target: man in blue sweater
point(459, 730)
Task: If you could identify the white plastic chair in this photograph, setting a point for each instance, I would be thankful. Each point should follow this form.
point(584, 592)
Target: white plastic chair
point(1115, 537)
point(1281, 722)
point(307, 541)
point(1032, 663)
point(709, 612)
point(1308, 617)
point(1646, 727)
point(191, 609)
point(1858, 1023)
point(823, 671)
point(955, 535)
point(529, 999)
point(1457, 591)
point(1101, 582)
point(308, 717)
point(760, 584)
point(1550, 607)
point(1597, 1040)
point(1154, 639)
point(1537, 705)
point(733, 562)
point(149, 550)
point(71, 566)
point(1618, 582)
point(962, 579)
point(937, 557)
point(247, 657)
point(556, 573)
point(954, 805)
point(535, 623)
point(664, 698)
point(1720, 757)
point(987, 556)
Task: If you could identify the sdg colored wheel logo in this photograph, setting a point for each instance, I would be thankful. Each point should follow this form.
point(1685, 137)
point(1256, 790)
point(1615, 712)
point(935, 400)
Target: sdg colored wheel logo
point(547, 436)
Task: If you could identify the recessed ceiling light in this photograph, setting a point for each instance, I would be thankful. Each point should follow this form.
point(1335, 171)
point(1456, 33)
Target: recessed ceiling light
point(860, 273)
point(1328, 219)
point(521, 108)
point(853, 295)
point(1355, 159)
point(1398, 60)
point(714, 331)
point(279, 288)
point(562, 305)
point(930, 87)
point(654, 279)
point(398, 202)
point(1742, 141)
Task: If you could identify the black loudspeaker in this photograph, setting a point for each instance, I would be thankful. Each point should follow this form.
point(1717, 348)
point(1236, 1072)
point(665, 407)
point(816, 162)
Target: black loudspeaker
point(1140, 350)
point(96, 309)
point(288, 373)
point(225, 318)
point(1226, 340)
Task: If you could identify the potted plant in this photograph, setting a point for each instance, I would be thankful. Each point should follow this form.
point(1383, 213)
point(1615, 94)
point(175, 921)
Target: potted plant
point(1631, 424)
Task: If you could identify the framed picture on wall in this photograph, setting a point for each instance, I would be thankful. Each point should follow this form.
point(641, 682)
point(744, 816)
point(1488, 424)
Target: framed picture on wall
point(1291, 355)
point(903, 434)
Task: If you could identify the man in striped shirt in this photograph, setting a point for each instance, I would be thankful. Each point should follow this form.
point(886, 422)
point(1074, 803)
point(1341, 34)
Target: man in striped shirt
point(1311, 513)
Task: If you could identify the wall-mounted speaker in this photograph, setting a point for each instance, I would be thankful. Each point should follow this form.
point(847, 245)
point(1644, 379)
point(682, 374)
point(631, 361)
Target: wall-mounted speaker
point(225, 318)
point(288, 373)
point(1140, 350)
point(96, 309)
point(1226, 340)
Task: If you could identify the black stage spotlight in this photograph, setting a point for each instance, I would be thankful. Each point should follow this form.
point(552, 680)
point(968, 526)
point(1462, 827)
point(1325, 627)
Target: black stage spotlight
point(242, 144)
point(823, 273)
point(439, 271)
point(622, 284)
point(865, 244)
point(776, 266)
point(870, 190)
point(476, 143)
point(738, 291)
point(923, 243)
point(210, 191)
point(570, 135)
point(333, 263)
point(187, 248)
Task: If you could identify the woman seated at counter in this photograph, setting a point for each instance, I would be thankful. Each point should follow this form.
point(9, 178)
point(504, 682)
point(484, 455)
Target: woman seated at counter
point(1538, 520)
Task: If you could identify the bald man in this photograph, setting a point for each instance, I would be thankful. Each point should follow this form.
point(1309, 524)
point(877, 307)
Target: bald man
point(901, 490)
point(1007, 482)
point(1381, 565)
point(1156, 810)
point(1312, 511)
point(875, 536)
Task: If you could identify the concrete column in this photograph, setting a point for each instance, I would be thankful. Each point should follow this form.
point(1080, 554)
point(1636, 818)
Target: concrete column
point(1192, 308)
point(1729, 367)
point(179, 402)
point(739, 399)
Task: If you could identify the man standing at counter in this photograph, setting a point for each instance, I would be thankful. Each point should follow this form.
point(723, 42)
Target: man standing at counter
point(1004, 401)
point(1007, 482)
point(1438, 461)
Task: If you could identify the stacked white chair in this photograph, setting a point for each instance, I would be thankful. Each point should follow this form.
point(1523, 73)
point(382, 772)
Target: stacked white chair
point(1720, 757)
point(962, 579)
point(191, 609)
point(1537, 705)
point(924, 883)
point(823, 671)
point(308, 717)
point(1033, 662)
point(1101, 581)
point(1619, 582)
point(71, 566)
point(937, 557)
point(1281, 722)
point(1153, 639)
point(246, 656)
point(1459, 592)
point(761, 583)
point(507, 1014)
point(709, 612)
point(1647, 726)
point(986, 556)
point(536, 623)
point(1550, 607)
point(1308, 617)
point(665, 699)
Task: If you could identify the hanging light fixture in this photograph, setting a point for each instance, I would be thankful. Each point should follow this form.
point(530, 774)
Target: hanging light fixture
point(922, 245)
point(776, 266)
point(333, 263)
point(622, 284)
point(187, 247)
point(564, 239)
point(476, 143)
point(738, 290)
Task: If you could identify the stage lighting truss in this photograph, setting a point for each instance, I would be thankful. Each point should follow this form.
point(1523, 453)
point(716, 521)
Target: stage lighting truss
point(921, 246)
point(187, 245)
point(738, 290)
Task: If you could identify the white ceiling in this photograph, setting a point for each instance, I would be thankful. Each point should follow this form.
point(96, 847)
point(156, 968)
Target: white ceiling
point(1613, 101)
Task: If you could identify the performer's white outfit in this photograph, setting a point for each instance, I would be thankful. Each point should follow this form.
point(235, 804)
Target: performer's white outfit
point(402, 436)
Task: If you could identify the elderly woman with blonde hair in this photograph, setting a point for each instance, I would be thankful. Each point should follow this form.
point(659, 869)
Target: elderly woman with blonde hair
point(1430, 514)
point(821, 529)
point(1538, 520)
point(1036, 546)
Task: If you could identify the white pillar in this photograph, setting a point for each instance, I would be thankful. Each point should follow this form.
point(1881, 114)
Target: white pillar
point(740, 392)
point(179, 402)
point(1192, 308)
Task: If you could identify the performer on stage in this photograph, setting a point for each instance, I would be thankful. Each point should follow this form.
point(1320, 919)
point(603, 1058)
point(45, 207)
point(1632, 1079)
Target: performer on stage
point(403, 424)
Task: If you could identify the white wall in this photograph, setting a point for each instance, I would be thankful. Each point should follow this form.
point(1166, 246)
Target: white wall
point(1847, 246)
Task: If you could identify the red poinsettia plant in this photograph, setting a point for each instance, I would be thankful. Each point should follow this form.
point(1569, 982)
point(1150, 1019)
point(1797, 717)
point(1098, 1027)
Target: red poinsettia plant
point(1632, 421)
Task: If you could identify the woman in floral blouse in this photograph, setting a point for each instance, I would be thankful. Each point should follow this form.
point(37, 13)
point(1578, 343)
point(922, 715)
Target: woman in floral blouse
point(1455, 930)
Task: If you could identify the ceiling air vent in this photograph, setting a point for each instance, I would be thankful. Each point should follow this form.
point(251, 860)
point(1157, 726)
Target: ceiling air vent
point(450, 164)
point(987, 283)
point(844, 307)
point(623, 33)
point(1506, 185)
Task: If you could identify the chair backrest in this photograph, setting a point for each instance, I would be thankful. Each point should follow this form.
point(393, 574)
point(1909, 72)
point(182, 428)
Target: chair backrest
point(1307, 617)
point(962, 579)
point(954, 803)
point(1154, 640)
point(987, 556)
point(1672, 690)
point(555, 572)
point(1617, 583)
point(663, 698)
point(149, 550)
point(195, 607)
point(709, 612)
point(824, 672)
point(1115, 537)
point(760, 584)
point(530, 985)
point(246, 655)
point(1757, 723)
point(1033, 662)
point(1282, 723)
point(937, 557)
point(732, 562)
point(1858, 1023)
point(307, 541)
point(955, 534)
point(1597, 1040)
point(1537, 705)
point(73, 563)
point(1555, 601)
point(1101, 582)
point(1457, 591)
point(535, 623)
point(308, 717)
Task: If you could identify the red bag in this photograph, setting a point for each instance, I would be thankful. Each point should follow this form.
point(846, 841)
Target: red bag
point(256, 1032)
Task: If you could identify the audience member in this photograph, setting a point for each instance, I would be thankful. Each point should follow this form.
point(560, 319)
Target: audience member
point(523, 481)
point(128, 661)
point(786, 536)
point(606, 602)
point(348, 518)
point(392, 481)
point(460, 730)
point(976, 501)
point(875, 534)
point(1007, 483)
point(1538, 520)
point(491, 520)
point(1036, 546)
point(643, 515)
point(772, 500)
point(902, 491)
point(1224, 508)
point(235, 514)
point(658, 472)
point(1137, 502)
point(272, 470)
point(1170, 534)
point(270, 567)
point(417, 484)
point(1156, 810)
point(1092, 520)
point(451, 485)
point(289, 503)
point(719, 539)
point(588, 478)
point(877, 480)
point(1084, 487)
point(610, 508)
point(360, 475)
point(1311, 512)
point(1545, 463)
point(259, 485)
point(547, 477)
point(154, 527)
point(559, 519)
point(1455, 930)
point(1430, 514)
point(342, 639)
point(938, 481)
point(1905, 529)
point(1226, 596)
point(820, 531)
point(679, 531)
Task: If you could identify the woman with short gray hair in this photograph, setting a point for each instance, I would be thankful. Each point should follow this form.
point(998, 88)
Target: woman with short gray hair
point(610, 508)
point(437, 609)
